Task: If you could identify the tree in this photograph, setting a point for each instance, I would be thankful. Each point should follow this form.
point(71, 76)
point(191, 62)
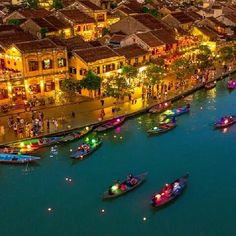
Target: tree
point(226, 53)
point(118, 87)
point(130, 72)
point(70, 87)
point(31, 3)
point(91, 82)
point(14, 22)
point(105, 31)
point(204, 56)
point(43, 32)
point(57, 4)
point(182, 67)
point(154, 74)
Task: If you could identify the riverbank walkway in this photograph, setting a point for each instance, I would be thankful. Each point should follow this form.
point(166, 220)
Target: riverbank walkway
point(88, 112)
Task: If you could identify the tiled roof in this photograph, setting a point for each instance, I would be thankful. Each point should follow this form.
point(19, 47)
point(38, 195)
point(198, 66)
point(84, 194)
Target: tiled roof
point(42, 23)
point(36, 45)
point(77, 16)
point(164, 36)
point(7, 39)
point(231, 17)
point(182, 17)
point(90, 5)
point(216, 22)
point(33, 13)
point(131, 51)
point(58, 24)
point(208, 32)
point(149, 21)
point(76, 43)
point(95, 54)
point(9, 28)
point(117, 37)
point(150, 39)
point(194, 15)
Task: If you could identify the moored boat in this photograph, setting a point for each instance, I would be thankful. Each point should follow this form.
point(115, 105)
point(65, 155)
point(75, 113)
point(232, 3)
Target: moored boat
point(170, 192)
point(162, 128)
point(181, 110)
point(160, 107)
point(34, 144)
point(9, 150)
point(210, 86)
point(110, 124)
point(126, 186)
point(86, 148)
point(225, 121)
point(77, 134)
point(17, 159)
point(231, 84)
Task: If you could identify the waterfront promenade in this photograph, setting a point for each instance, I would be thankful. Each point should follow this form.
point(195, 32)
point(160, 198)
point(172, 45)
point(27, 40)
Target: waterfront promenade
point(88, 112)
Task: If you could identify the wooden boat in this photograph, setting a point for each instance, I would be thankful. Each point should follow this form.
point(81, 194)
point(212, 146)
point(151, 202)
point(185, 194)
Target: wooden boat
point(210, 86)
point(181, 111)
point(170, 192)
point(110, 124)
point(225, 122)
point(9, 150)
point(75, 135)
point(34, 144)
point(160, 107)
point(17, 159)
point(231, 84)
point(117, 192)
point(86, 149)
point(161, 129)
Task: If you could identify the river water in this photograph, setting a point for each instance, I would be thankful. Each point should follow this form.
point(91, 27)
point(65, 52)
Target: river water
point(40, 200)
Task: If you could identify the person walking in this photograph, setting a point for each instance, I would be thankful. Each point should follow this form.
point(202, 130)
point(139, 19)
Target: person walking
point(102, 102)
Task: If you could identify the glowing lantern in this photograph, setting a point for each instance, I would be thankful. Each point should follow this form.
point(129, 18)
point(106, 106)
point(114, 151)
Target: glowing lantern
point(118, 120)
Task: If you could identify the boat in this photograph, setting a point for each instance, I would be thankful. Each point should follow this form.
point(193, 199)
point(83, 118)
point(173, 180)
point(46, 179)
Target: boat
point(118, 190)
point(160, 107)
point(231, 84)
point(181, 110)
point(9, 150)
point(225, 121)
point(110, 124)
point(170, 192)
point(86, 148)
point(17, 158)
point(162, 128)
point(77, 134)
point(34, 144)
point(210, 85)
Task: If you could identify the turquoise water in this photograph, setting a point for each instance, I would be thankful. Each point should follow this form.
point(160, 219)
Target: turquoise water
point(206, 207)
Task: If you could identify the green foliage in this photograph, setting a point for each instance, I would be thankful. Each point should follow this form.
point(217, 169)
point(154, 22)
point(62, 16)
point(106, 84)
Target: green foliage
point(117, 87)
point(70, 86)
point(182, 67)
point(43, 32)
point(14, 22)
point(160, 61)
point(31, 3)
point(105, 31)
point(91, 81)
point(129, 71)
point(154, 74)
point(204, 56)
point(58, 4)
point(153, 12)
point(226, 53)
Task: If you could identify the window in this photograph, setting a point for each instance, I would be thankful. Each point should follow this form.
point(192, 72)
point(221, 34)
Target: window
point(113, 67)
point(144, 58)
point(100, 17)
point(72, 70)
point(61, 62)
point(98, 69)
point(79, 28)
point(136, 60)
point(33, 65)
point(87, 27)
point(47, 64)
point(49, 86)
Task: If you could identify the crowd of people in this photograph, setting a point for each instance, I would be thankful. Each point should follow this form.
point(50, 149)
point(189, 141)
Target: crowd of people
point(29, 128)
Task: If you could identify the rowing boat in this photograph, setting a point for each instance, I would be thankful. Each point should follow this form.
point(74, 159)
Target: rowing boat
point(125, 187)
point(160, 107)
point(110, 124)
point(86, 149)
point(170, 192)
point(17, 159)
point(161, 129)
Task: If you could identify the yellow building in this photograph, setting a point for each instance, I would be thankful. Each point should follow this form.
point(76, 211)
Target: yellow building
point(81, 23)
point(102, 60)
point(206, 36)
point(34, 68)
